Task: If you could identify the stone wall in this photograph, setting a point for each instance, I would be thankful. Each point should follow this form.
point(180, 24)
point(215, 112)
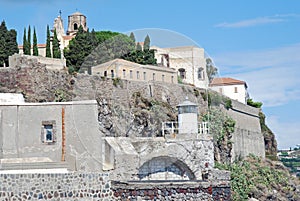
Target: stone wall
point(70, 186)
point(50, 63)
point(97, 186)
point(205, 191)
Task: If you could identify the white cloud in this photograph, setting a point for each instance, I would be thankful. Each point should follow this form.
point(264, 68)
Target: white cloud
point(272, 75)
point(287, 133)
point(258, 21)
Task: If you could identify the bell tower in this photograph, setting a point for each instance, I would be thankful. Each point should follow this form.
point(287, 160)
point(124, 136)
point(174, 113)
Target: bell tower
point(74, 22)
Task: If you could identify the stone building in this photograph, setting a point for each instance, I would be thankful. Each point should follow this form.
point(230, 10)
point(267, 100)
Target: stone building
point(189, 62)
point(232, 88)
point(119, 68)
point(75, 20)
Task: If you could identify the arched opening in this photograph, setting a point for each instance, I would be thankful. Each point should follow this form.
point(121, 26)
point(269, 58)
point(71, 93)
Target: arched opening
point(182, 73)
point(75, 26)
point(165, 168)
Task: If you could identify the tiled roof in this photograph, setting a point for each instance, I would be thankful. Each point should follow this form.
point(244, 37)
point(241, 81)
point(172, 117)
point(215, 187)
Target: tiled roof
point(39, 45)
point(221, 81)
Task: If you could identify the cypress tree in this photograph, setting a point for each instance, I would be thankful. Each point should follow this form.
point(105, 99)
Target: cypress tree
point(24, 42)
point(146, 44)
point(132, 36)
point(29, 41)
point(48, 49)
point(35, 48)
point(55, 46)
point(8, 43)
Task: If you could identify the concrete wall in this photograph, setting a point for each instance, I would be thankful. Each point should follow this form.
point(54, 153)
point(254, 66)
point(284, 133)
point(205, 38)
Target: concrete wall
point(247, 137)
point(138, 158)
point(22, 126)
point(22, 60)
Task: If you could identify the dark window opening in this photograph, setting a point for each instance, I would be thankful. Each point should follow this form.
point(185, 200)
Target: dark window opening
point(182, 73)
point(75, 26)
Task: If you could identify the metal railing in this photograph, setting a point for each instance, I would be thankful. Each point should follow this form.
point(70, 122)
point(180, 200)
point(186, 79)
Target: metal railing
point(172, 128)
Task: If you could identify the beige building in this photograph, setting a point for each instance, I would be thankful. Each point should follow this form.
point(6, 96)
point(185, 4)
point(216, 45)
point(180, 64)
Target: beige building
point(119, 68)
point(189, 62)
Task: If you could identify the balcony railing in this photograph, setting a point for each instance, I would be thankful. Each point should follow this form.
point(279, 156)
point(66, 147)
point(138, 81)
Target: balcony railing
point(172, 128)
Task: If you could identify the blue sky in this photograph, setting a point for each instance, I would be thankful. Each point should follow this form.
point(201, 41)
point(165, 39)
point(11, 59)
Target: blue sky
point(252, 40)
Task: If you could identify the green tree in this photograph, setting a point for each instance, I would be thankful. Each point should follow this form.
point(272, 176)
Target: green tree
point(119, 46)
point(25, 43)
point(81, 51)
point(8, 43)
point(55, 46)
point(3, 33)
point(48, 48)
point(211, 70)
point(146, 46)
point(35, 47)
point(29, 41)
point(132, 36)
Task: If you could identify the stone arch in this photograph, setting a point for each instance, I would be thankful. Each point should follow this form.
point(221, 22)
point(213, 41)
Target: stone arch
point(165, 168)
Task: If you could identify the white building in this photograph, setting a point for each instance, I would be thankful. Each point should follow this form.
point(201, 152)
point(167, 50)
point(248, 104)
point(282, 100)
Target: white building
point(189, 62)
point(232, 88)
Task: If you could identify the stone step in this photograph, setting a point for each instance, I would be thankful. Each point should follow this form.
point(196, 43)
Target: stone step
point(39, 165)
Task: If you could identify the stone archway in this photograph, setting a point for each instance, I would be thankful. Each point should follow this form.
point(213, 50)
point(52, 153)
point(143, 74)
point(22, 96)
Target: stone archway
point(165, 168)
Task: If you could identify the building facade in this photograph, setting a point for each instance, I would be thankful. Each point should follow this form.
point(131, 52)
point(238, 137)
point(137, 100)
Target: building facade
point(189, 62)
point(232, 88)
point(119, 68)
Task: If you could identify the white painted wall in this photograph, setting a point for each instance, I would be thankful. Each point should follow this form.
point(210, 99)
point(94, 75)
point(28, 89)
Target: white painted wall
point(236, 92)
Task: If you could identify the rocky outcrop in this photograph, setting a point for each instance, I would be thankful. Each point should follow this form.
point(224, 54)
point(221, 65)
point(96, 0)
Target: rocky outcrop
point(269, 138)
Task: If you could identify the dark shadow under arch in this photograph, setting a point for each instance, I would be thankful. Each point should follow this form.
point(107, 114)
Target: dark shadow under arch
point(165, 168)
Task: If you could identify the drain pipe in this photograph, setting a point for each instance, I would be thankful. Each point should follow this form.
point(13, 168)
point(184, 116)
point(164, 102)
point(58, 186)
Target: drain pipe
point(63, 131)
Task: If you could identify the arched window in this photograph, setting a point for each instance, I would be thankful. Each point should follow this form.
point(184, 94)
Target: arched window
point(182, 73)
point(200, 73)
point(75, 26)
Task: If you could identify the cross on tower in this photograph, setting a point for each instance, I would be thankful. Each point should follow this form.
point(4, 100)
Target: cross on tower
point(59, 13)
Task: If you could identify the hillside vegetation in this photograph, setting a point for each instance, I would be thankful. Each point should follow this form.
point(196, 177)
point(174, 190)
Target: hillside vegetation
point(261, 179)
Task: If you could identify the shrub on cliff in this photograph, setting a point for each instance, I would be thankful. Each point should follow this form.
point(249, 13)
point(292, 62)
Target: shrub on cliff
point(263, 180)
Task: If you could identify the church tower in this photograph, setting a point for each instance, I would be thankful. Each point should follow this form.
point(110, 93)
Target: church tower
point(74, 22)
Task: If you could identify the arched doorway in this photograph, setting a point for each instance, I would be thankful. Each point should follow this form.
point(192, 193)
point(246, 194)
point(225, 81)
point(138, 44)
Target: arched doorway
point(165, 168)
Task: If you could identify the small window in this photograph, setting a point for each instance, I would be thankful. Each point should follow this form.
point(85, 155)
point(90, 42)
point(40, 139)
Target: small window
point(124, 73)
point(145, 76)
point(153, 76)
point(112, 74)
point(48, 134)
point(138, 75)
point(200, 73)
point(130, 74)
point(235, 89)
point(105, 73)
point(75, 26)
point(163, 78)
point(182, 73)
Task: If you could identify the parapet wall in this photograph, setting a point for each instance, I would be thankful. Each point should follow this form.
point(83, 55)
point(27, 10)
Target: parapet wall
point(70, 186)
point(22, 60)
point(97, 186)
